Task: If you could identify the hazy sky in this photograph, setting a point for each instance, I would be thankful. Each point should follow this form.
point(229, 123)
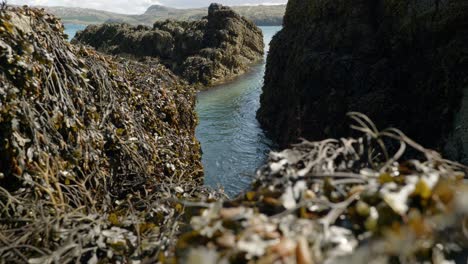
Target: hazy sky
point(139, 6)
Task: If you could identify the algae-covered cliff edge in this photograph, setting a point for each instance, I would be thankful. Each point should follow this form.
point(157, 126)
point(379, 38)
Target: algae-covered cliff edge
point(207, 51)
point(403, 63)
point(91, 149)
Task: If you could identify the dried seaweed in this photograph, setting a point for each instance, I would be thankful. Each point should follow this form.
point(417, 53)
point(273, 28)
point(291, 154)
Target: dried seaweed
point(347, 200)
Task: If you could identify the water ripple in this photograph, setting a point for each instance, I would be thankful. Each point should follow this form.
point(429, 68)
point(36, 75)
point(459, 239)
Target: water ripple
point(233, 143)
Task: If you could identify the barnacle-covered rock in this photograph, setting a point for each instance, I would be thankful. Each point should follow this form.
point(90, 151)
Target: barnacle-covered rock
point(214, 49)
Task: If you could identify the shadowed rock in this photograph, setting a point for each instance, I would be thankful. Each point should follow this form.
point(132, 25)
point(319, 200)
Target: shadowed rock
point(403, 63)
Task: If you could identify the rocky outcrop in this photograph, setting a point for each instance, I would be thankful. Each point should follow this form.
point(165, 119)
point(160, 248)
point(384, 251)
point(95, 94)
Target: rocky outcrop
point(404, 63)
point(86, 107)
point(214, 49)
point(86, 142)
point(98, 164)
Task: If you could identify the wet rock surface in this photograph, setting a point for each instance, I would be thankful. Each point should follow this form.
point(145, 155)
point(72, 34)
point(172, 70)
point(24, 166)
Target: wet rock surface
point(207, 51)
point(403, 63)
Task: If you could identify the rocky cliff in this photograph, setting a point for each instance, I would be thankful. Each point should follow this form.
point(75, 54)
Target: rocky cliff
point(214, 49)
point(404, 63)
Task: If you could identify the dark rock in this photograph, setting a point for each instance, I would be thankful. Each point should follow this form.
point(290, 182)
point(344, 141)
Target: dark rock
point(211, 50)
point(403, 63)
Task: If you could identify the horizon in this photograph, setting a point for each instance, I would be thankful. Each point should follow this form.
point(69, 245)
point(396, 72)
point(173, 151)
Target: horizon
point(140, 6)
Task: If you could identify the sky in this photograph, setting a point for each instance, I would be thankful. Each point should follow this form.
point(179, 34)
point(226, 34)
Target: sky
point(139, 6)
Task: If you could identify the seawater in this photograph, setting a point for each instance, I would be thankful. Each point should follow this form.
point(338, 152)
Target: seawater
point(233, 143)
point(71, 29)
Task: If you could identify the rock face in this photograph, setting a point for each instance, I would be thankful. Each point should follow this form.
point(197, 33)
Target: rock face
point(403, 63)
point(214, 49)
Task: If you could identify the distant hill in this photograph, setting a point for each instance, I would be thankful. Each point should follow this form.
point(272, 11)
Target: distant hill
point(86, 16)
point(262, 15)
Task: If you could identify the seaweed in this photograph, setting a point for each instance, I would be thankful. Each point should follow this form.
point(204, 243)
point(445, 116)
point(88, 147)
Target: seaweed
point(99, 164)
point(348, 200)
point(94, 150)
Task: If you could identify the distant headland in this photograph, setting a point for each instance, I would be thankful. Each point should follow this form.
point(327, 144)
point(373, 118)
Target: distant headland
point(261, 15)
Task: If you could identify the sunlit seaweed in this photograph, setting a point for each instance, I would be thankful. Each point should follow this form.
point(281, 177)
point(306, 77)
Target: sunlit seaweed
point(343, 200)
point(94, 151)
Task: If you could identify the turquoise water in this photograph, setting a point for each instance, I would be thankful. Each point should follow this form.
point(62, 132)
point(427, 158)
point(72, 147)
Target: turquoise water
point(71, 29)
point(233, 143)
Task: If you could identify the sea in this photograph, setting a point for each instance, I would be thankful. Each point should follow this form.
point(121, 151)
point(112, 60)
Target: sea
point(233, 143)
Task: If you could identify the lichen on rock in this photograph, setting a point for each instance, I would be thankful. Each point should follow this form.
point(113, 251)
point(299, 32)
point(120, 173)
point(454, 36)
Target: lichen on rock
point(214, 49)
